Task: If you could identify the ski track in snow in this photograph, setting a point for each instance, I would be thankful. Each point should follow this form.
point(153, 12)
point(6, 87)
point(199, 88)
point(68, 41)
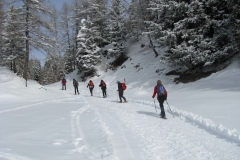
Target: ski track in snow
point(6, 156)
point(206, 124)
point(126, 145)
point(134, 131)
point(178, 142)
point(38, 103)
point(110, 136)
point(129, 134)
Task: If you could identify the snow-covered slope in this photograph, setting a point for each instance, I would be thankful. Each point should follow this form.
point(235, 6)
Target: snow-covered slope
point(214, 98)
point(45, 122)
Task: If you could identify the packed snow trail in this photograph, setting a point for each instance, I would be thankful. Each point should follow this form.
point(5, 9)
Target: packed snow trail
point(95, 128)
point(167, 139)
point(123, 143)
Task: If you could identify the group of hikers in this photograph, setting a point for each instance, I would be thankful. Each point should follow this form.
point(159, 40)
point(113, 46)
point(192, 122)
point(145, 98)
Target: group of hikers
point(159, 90)
point(90, 86)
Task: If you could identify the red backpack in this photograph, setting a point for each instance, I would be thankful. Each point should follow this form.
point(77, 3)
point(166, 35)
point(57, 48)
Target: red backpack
point(124, 86)
point(64, 81)
point(91, 83)
point(104, 84)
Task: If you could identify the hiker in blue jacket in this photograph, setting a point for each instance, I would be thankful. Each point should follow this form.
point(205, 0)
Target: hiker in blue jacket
point(161, 92)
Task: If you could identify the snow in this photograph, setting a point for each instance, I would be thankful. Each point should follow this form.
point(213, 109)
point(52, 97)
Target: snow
point(45, 122)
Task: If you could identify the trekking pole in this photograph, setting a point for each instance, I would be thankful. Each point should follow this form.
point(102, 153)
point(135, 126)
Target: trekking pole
point(99, 91)
point(155, 104)
point(170, 108)
point(117, 96)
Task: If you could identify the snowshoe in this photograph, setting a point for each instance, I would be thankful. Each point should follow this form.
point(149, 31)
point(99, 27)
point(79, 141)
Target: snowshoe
point(163, 117)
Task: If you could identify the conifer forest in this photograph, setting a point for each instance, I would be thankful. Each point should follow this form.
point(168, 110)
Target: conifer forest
point(200, 36)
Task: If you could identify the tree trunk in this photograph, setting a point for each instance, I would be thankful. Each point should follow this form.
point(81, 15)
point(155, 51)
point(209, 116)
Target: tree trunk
point(11, 65)
point(25, 74)
point(76, 47)
point(14, 67)
point(154, 50)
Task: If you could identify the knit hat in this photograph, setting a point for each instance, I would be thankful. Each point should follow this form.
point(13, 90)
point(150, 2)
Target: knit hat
point(117, 81)
point(159, 82)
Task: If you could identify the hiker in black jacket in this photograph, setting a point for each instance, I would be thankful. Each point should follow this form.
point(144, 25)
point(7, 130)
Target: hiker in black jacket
point(104, 88)
point(120, 92)
point(75, 85)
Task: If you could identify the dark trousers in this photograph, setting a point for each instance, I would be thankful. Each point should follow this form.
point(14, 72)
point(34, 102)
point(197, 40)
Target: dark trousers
point(91, 90)
point(161, 100)
point(76, 89)
point(104, 91)
point(121, 96)
point(64, 87)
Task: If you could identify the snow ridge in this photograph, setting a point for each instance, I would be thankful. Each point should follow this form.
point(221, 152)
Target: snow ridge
point(206, 124)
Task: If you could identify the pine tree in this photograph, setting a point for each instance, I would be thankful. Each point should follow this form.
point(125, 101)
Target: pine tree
point(53, 70)
point(118, 28)
point(190, 47)
point(47, 73)
point(158, 23)
point(234, 5)
point(164, 14)
point(2, 14)
point(65, 26)
point(14, 41)
point(68, 43)
point(55, 34)
point(199, 33)
point(34, 16)
point(135, 20)
point(88, 55)
point(98, 17)
point(68, 62)
point(145, 14)
point(75, 20)
point(34, 69)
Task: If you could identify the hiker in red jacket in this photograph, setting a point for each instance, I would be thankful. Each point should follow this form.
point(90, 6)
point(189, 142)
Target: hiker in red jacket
point(91, 86)
point(161, 92)
point(103, 87)
point(64, 84)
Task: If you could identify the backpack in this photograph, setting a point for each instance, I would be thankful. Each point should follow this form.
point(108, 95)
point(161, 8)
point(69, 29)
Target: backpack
point(161, 91)
point(91, 84)
point(124, 86)
point(75, 83)
point(104, 84)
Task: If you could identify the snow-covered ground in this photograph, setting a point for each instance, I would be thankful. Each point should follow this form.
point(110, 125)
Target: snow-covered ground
point(47, 123)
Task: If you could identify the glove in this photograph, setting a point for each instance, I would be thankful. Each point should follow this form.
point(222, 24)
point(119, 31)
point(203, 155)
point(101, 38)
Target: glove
point(152, 96)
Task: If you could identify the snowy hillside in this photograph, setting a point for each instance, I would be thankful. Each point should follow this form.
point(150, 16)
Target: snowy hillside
point(46, 123)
